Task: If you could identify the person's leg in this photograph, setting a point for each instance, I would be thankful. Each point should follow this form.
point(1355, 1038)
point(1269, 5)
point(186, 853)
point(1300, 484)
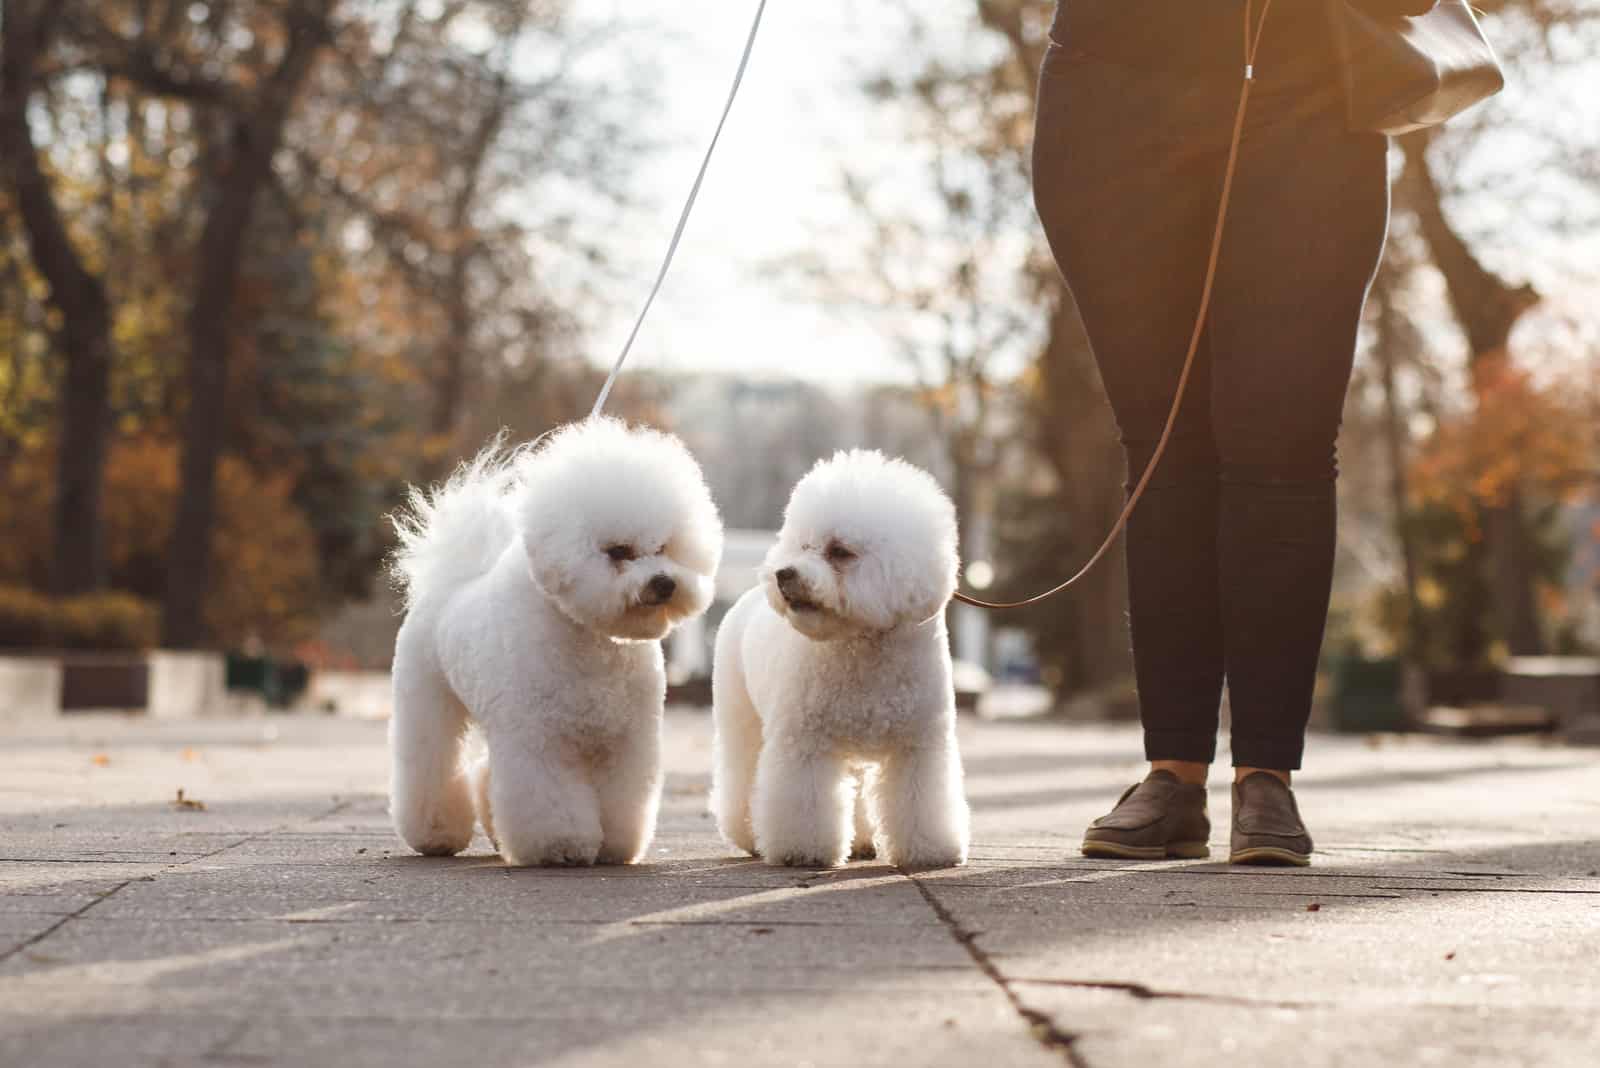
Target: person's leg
point(1311, 208)
point(1128, 211)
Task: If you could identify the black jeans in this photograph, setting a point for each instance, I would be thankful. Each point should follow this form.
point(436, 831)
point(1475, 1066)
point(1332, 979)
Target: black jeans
point(1230, 552)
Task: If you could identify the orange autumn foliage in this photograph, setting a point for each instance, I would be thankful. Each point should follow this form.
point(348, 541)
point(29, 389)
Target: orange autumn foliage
point(265, 568)
point(1519, 434)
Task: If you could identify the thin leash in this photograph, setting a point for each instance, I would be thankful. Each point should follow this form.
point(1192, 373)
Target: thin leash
point(683, 219)
point(1252, 42)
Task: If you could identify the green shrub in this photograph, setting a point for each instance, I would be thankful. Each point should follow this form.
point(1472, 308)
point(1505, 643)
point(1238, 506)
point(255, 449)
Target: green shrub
point(98, 621)
point(109, 620)
point(28, 620)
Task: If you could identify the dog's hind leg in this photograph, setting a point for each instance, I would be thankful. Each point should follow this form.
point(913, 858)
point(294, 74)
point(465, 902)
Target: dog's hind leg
point(629, 792)
point(430, 799)
point(922, 810)
point(735, 747)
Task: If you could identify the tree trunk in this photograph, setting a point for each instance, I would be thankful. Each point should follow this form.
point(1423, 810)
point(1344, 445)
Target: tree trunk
point(1076, 430)
point(1512, 576)
point(256, 135)
point(1487, 308)
point(1080, 437)
point(79, 300)
point(450, 358)
point(1395, 440)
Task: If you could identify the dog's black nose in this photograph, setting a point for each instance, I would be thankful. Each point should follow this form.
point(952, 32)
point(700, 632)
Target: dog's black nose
point(663, 587)
point(786, 574)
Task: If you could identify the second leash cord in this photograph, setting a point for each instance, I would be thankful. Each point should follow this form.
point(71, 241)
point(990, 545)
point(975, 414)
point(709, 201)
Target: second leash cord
point(683, 217)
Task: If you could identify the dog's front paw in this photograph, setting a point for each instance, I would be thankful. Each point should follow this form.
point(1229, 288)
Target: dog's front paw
point(550, 853)
point(616, 854)
point(925, 858)
point(802, 860)
point(804, 854)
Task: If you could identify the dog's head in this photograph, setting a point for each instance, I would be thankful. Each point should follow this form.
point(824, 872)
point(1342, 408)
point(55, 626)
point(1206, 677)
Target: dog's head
point(868, 543)
point(619, 528)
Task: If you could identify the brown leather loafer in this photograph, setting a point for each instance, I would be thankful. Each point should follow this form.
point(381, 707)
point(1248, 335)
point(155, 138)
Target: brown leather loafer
point(1266, 824)
point(1160, 817)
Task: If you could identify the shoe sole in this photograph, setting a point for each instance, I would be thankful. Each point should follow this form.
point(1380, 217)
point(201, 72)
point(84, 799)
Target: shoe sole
point(1270, 856)
point(1116, 851)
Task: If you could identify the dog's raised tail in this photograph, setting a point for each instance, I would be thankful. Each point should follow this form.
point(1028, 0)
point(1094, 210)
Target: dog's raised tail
point(454, 532)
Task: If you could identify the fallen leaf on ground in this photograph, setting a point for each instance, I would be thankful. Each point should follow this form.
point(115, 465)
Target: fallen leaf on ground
point(100, 760)
point(188, 804)
point(1313, 907)
point(189, 755)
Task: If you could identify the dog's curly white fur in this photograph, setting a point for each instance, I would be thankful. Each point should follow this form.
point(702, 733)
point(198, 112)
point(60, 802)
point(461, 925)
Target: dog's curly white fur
point(832, 691)
point(537, 582)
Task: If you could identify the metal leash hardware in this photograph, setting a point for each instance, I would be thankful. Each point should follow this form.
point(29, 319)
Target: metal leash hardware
point(1252, 43)
point(683, 217)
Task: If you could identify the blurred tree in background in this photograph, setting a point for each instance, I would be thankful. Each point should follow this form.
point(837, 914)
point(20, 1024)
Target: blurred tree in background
point(257, 257)
point(264, 261)
point(1496, 210)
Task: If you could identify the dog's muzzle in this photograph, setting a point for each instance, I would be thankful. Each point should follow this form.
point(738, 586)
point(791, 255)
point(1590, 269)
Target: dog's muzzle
point(793, 589)
point(658, 590)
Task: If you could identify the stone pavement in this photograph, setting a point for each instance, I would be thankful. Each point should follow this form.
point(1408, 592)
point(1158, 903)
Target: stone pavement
point(1452, 917)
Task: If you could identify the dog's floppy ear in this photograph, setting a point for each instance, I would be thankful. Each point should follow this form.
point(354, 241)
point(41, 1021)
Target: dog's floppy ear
point(936, 566)
point(922, 587)
point(545, 565)
point(928, 597)
point(909, 579)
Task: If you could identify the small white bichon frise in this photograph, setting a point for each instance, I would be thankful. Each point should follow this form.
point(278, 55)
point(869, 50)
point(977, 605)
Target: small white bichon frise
point(537, 584)
point(832, 692)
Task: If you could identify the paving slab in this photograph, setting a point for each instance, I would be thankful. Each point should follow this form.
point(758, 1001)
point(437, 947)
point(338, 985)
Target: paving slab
point(1452, 917)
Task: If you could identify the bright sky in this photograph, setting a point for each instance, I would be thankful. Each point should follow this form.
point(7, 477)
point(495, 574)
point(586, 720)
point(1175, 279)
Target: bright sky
point(773, 184)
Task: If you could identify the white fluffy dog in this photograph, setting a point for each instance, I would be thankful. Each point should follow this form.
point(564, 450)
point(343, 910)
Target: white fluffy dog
point(833, 700)
point(537, 583)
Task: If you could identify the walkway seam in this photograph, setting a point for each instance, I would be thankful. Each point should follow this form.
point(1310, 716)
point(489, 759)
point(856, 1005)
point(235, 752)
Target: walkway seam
point(171, 866)
point(1040, 1025)
point(63, 921)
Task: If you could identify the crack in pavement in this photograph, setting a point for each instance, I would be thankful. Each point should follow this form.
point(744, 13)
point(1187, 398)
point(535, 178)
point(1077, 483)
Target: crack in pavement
point(85, 859)
point(1044, 1030)
point(338, 806)
point(1146, 993)
point(23, 946)
point(62, 922)
point(1493, 890)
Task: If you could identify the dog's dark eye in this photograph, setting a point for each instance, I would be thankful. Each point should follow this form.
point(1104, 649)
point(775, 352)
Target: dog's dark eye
point(840, 553)
point(621, 553)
